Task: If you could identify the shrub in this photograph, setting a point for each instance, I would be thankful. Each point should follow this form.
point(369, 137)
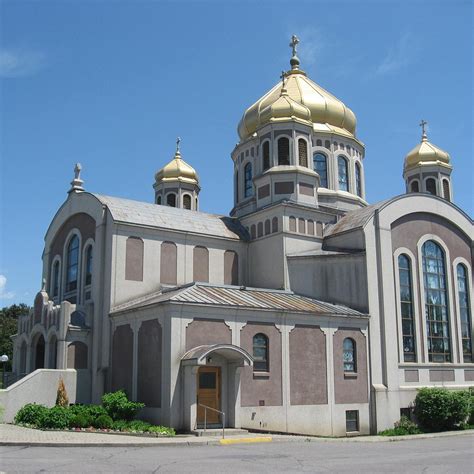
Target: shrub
point(119, 407)
point(103, 422)
point(62, 399)
point(139, 426)
point(438, 409)
point(31, 414)
point(57, 417)
point(161, 430)
point(403, 427)
point(120, 425)
point(81, 420)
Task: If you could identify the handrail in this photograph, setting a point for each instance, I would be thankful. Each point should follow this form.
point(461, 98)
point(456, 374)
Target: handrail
point(217, 411)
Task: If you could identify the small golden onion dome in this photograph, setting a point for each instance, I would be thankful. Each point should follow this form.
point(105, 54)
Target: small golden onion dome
point(285, 108)
point(177, 170)
point(425, 153)
point(327, 112)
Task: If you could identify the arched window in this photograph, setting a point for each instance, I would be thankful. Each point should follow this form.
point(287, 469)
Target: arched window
point(260, 353)
point(275, 224)
point(168, 263)
point(310, 226)
point(158, 200)
point(266, 155)
point(415, 187)
point(236, 186)
point(343, 173)
point(134, 253)
point(406, 302)
point(436, 303)
point(358, 180)
point(292, 221)
point(187, 201)
point(303, 152)
point(319, 143)
point(431, 186)
point(201, 264)
point(72, 264)
point(320, 165)
point(253, 231)
point(260, 229)
point(464, 312)
point(283, 151)
point(55, 280)
point(231, 268)
point(171, 200)
point(349, 356)
point(327, 144)
point(267, 226)
point(446, 190)
point(88, 279)
point(248, 185)
point(301, 225)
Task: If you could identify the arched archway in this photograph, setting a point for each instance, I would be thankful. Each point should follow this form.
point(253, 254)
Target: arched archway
point(39, 350)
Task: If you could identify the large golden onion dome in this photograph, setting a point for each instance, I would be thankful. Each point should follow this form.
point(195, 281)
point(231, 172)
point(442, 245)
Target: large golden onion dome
point(177, 170)
point(425, 153)
point(327, 113)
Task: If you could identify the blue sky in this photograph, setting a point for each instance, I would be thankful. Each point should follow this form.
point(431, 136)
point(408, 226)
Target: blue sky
point(111, 84)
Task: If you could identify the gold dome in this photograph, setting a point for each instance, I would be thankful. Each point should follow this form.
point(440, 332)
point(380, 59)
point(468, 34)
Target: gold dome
point(177, 170)
point(327, 113)
point(285, 108)
point(425, 153)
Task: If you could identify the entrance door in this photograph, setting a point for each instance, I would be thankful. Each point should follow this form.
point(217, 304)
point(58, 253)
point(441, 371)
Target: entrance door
point(208, 393)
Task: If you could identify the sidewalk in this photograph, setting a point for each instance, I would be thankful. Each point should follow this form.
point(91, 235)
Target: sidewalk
point(11, 435)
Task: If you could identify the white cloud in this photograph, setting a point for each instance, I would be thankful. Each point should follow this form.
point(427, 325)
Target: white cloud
point(20, 62)
point(311, 46)
point(399, 55)
point(6, 295)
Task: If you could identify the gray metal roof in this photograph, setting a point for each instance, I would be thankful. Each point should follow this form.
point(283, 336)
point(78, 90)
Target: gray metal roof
point(172, 218)
point(243, 297)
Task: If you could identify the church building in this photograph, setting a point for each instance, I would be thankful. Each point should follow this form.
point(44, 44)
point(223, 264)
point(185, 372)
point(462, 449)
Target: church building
point(306, 310)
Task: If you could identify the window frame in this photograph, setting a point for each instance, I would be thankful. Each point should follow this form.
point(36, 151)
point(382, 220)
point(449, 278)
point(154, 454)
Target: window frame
point(346, 171)
point(302, 143)
point(353, 350)
point(460, 263)
point(429, 179)
point(248, 180)
point(264, 362)
point(72, 294)
point(315, 168)
point(289, 150)
point(355, 420)
point(266, 166)
point(358, 178)
point(171, 195)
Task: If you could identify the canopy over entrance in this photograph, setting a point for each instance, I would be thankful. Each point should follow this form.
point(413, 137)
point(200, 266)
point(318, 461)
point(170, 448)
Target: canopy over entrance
point(202, 355)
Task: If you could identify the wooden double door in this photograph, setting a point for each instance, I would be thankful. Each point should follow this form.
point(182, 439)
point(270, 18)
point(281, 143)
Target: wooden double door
point(209, 394)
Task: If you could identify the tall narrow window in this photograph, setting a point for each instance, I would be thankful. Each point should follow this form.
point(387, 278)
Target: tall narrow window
point(343, 173)
point(72, 265)
point(283, 151)
point(320, 165)
point(436, 303)
point(358, 180)
point(168, 263)
point(303, 152)
point(266, 156)
point(236, 186)
point(275, 224)
point(349, 357)
point(231, 268)
point(415, 187)
point(187, 201)
point(158, 200)
point(201, 264)
point(89, 265)
point(55, 280)
point(248, 188)
point(260, 353)
point(465, 313)
point(431, 186)
point(446, 190)
point(171, 200)
point(406, 302)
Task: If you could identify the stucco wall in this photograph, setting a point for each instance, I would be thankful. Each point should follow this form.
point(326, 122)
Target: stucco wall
point(350, 388)
point(262, 388)
point(202, 331)
point(308, 379)
point(38, 387)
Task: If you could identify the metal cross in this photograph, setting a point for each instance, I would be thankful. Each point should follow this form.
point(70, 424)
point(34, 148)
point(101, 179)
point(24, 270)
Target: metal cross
point(283, 77)
point(422, 125)
point(294, 43)
point(178, 141)
point(77, 171)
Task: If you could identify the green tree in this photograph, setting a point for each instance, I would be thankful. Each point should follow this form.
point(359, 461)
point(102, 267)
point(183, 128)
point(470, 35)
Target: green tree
point(8, 327)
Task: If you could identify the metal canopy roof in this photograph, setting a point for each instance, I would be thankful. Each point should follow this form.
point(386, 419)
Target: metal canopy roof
point(243, 297)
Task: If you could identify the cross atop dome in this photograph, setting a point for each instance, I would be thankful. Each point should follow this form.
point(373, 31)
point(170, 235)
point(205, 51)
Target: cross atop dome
point(178, 141)
point(294, 61)
point(77, 182)
point(424, 136)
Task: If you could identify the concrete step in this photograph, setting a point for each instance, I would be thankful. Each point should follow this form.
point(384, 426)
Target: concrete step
point(217, 432)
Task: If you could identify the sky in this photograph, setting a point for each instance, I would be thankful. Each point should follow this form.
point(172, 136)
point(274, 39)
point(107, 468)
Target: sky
point(112, 83)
